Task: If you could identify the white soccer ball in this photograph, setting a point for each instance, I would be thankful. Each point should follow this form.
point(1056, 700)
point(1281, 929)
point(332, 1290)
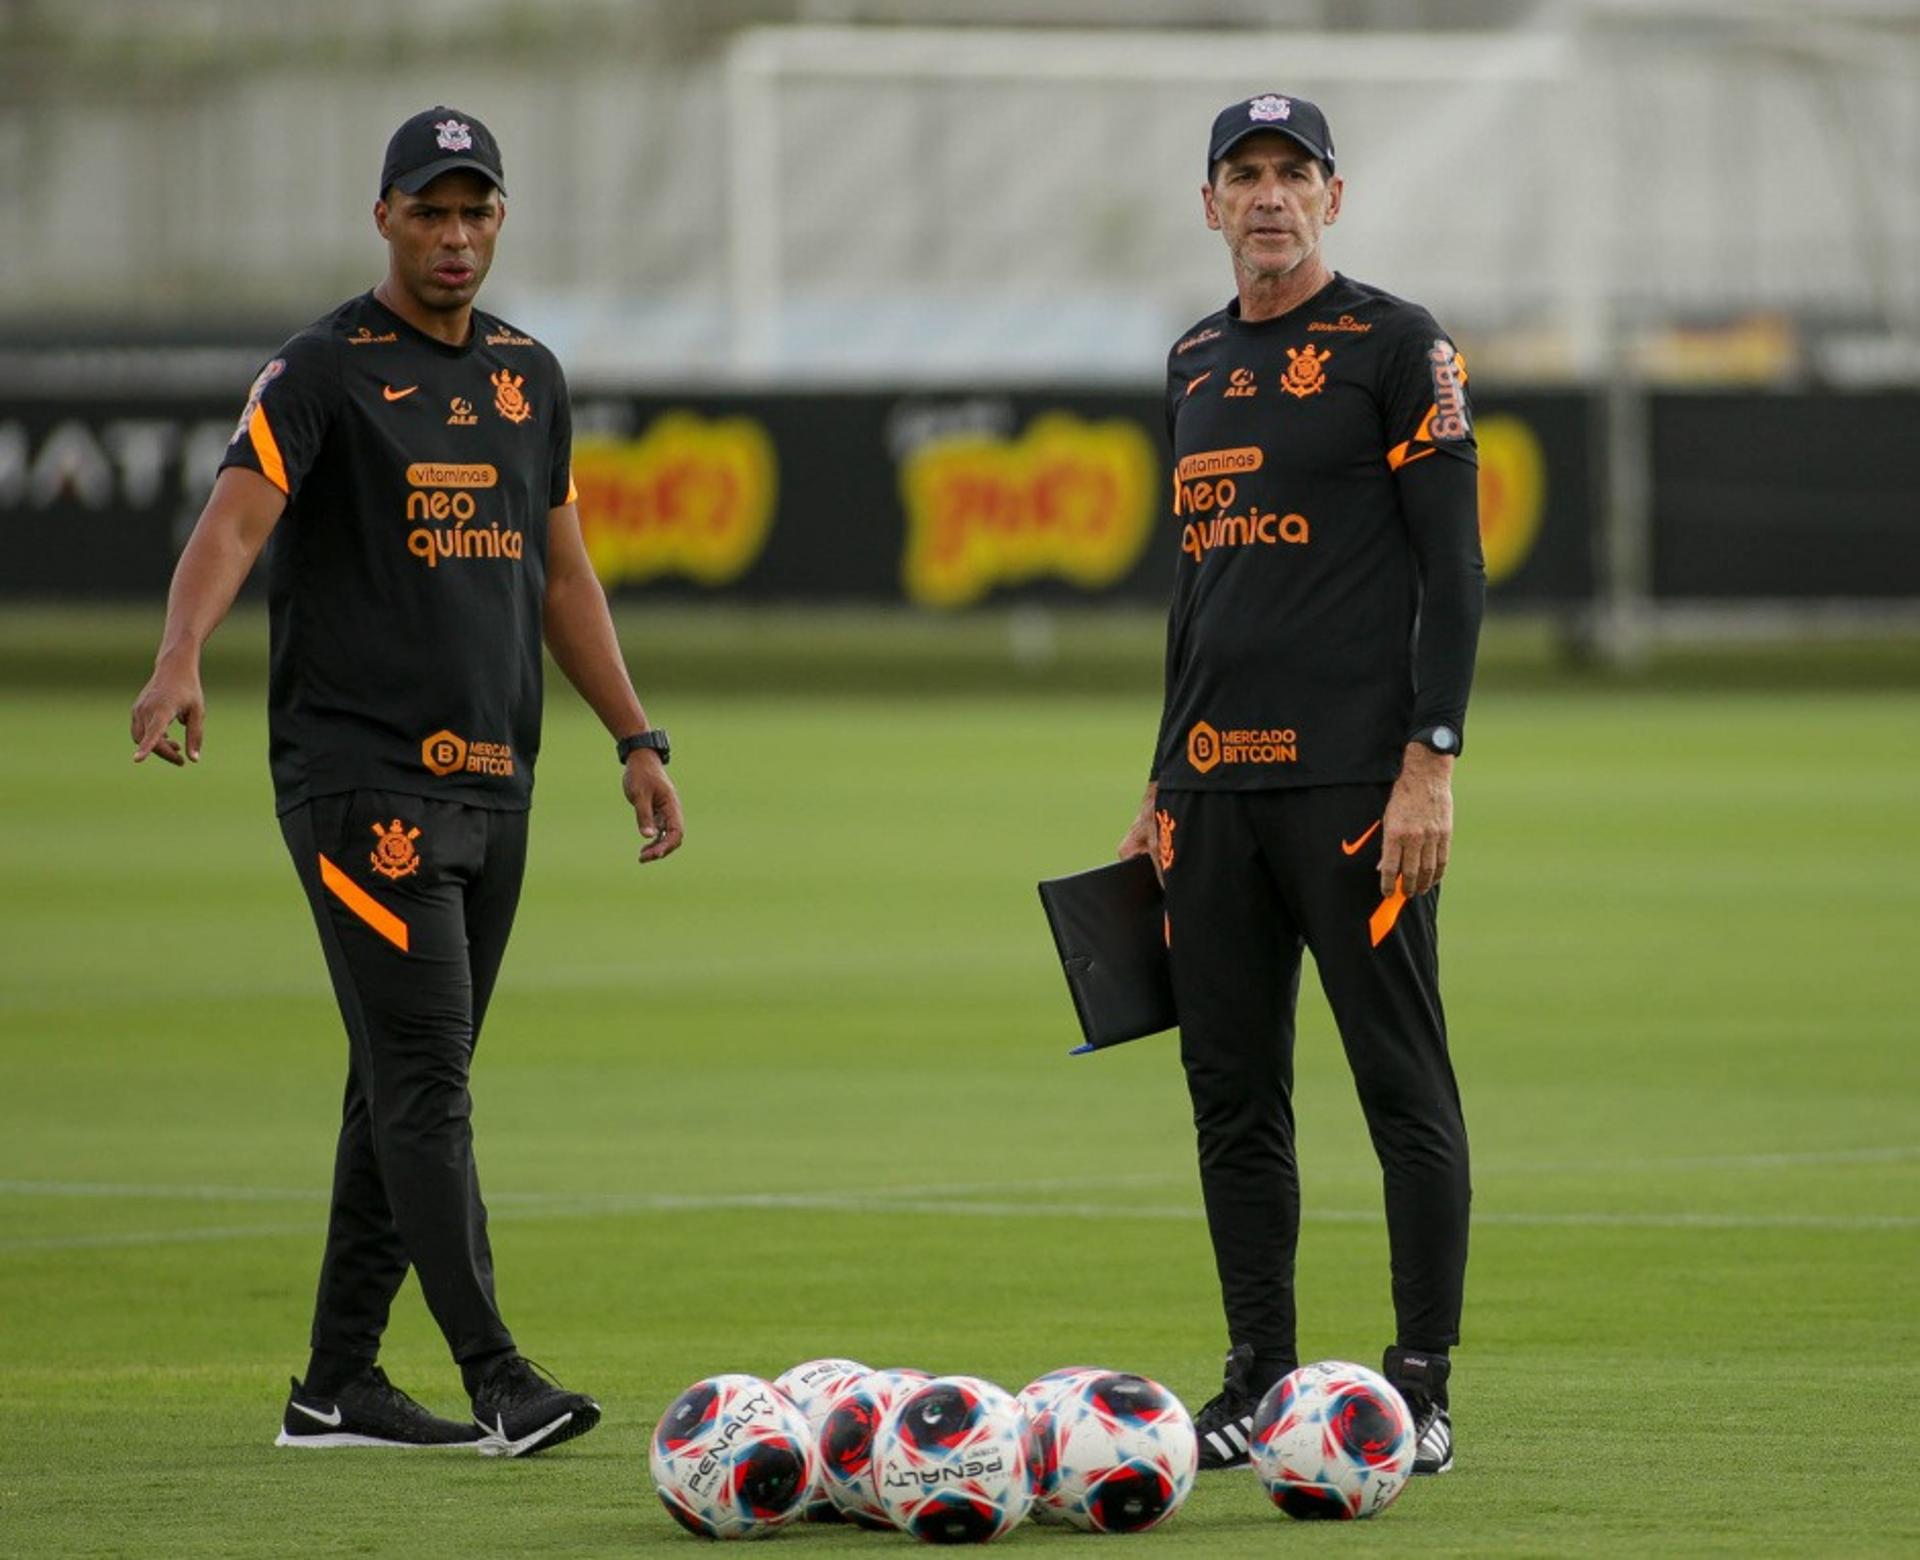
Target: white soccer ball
point(1113, 1453)
point(732, 1458)
point(950, 1462)
point(1333, 1440)
point(1035, 1398)
point(846, 1443)
point(815, 1386)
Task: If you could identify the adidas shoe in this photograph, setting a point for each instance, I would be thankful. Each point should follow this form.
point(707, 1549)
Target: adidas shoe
point(368, 1411)
point(1434, 1431)
point(523, 1410)
point(1225, 1421)
point(1421, 1379)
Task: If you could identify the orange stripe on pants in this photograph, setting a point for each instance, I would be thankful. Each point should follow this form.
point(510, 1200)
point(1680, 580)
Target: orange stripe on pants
point(364, 905)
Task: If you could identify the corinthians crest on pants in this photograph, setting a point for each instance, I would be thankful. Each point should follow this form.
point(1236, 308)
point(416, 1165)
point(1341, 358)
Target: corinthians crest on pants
point(395, 857)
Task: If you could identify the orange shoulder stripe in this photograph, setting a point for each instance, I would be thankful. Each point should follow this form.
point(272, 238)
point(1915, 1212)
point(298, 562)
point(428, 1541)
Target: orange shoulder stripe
point(272, 467)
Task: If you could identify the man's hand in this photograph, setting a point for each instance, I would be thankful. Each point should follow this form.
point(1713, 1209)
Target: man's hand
point(1142, 839)
point(656, 805)
point(172, 693)
point(240, 515)
point(1418, 830)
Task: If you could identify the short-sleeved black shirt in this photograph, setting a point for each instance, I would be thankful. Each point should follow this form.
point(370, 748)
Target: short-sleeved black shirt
point(1290, 641)
point(407, 576)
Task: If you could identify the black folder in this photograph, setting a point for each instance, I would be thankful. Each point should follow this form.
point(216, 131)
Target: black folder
point(1110, 927)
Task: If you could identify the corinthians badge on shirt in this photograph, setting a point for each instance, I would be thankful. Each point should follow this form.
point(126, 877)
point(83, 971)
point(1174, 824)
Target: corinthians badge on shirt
point(508, 400)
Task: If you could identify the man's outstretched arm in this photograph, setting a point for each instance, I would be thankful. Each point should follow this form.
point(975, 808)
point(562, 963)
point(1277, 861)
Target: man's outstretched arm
point(240, 515)
point(579, 632)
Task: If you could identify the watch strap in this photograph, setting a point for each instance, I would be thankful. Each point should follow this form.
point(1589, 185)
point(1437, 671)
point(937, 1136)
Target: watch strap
point(654, 740)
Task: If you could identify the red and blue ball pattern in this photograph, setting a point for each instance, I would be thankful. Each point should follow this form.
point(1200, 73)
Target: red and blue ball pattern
point(846, 1444)
point(1333, 1441)
point(816, 1386)
point(1112, 1453)
point(950, 1462)
point(732, 1457)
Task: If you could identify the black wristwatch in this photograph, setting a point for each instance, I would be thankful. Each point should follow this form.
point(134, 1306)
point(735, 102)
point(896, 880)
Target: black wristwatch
point(655, 739)
point(1442, 739)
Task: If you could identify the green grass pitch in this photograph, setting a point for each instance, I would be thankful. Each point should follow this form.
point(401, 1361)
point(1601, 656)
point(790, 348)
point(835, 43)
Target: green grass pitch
point(803, 1090)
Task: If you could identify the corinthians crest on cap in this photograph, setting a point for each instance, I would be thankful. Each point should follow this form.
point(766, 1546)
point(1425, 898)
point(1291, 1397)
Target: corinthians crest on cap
point(1269, 107)
point(453, 136)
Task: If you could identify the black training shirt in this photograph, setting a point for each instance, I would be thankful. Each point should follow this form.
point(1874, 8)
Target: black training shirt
point(408, 574)
point(1297, 442)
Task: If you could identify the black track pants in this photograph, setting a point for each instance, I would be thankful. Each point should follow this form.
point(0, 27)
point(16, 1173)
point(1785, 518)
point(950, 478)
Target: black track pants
point(1255, 876)
point(413, 925)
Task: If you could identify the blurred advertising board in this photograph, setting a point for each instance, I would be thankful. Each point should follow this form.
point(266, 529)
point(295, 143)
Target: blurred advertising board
point(952, 501)
point(941, 502)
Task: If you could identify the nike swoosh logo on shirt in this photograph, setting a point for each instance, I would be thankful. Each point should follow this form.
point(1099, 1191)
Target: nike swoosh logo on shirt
point(1195, 384)
point(1351, 848)
point(330, 1420)
point(397, 395)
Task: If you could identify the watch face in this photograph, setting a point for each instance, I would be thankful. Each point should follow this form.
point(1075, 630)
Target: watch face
point(1445, 739)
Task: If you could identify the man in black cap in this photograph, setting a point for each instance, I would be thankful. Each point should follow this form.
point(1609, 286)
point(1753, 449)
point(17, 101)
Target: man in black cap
point(411, 457)
point(1320, 647)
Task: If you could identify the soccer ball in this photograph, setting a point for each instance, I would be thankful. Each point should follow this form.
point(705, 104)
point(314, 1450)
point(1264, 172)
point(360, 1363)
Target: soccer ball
point(1333, 1440)
point(846, 1444)
point(732, 1458)
point(950, 1462)
point(1035, 1398)
point(1113, 1453)
point(815, 1387)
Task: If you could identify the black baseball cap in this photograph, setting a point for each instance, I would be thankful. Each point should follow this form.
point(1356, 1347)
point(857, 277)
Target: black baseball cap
point(1289, 116)
point(436, 141)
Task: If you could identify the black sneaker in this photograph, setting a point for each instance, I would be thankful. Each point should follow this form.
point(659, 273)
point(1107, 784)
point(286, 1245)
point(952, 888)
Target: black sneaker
point(1225, 1422)
point(368, 1411)
point(1421, 1379)
point(524, 1410)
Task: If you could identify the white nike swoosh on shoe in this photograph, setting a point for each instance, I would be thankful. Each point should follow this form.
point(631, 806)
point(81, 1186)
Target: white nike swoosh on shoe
point(329, 1420)
point(496, 1443)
